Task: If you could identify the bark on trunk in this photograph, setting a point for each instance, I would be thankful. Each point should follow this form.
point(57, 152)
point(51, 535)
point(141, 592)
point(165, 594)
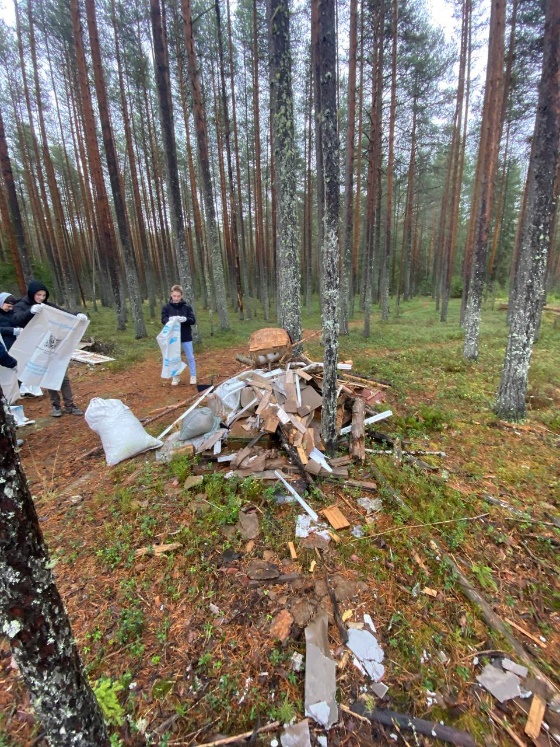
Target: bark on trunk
point(536, 232)
point(32, 615)
point(330, 277)
point(284, 149)
point(22, 260)
point(133, 286)
point(487, 160)
point(161, 65)
point(204, 163)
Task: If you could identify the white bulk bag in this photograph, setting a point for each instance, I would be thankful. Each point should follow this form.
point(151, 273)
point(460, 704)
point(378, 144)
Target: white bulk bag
point(122, 434)
point(169, 341)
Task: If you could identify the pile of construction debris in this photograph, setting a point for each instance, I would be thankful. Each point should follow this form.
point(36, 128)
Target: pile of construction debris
point(262, 421)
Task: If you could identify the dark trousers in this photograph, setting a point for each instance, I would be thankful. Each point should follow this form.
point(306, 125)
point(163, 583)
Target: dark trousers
point(65, 390)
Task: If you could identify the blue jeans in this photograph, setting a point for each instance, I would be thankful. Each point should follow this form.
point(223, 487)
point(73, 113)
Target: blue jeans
point(189, 355)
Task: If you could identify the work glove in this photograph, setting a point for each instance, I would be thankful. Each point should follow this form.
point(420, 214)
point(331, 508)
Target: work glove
point(181, 319)
point(82, 316)
point(36, 308)
point(17, 330)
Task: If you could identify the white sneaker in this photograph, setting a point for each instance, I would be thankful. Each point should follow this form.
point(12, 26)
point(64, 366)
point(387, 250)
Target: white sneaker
point(193, 380)
point(175, 380)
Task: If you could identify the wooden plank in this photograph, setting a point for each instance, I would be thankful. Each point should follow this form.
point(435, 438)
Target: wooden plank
point(358, 436)
point(335, 517)
point(304, 375)
point(270, 422)
point(302, 455)
point(536, 715)
point(292, 549)
point(263, 404)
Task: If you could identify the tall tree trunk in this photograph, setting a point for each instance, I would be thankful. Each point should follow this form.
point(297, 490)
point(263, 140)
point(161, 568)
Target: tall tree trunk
point(390, 165)
point(22, 259)
point(204, 163)
point(161, 64)
point(288, 271)
point(330, 254)
point(243, 253)
point(260, 250)
point(536, 232)
point(488, 159)
point(139, 214)
point(133, 286)
point(234, 232)
point(456, 163)
point(32, 614)
point(107, 243)
point(348, 216)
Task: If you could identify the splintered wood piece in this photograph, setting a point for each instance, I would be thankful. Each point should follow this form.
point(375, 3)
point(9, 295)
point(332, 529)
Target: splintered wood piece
point(335, 538)
point(335, 517)
point(263, 404)
point(309, 440)
point(157, 549)
point(304, 375)
point(292, 549)
point(536, 714)
point(270, 422)
point(302, 455)
point(525, 632)
point(358, 436)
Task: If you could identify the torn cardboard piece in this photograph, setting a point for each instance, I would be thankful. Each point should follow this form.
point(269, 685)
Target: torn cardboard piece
point(367, 651)
point(320, 674)
point(502, 685)
point(296, 735)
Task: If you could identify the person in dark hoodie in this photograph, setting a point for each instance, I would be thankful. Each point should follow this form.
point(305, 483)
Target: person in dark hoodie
point(24, 311)
point(178, 307)
point(8, 328)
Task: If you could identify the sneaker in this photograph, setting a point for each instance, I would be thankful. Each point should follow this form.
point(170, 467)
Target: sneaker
point(73, 410)
point(175, 380)
point(193, 380)
point(56, 412)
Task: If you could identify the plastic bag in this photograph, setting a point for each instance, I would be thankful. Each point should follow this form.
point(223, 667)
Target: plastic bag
point(122, 434)
point(200, 422)
point(169, 341)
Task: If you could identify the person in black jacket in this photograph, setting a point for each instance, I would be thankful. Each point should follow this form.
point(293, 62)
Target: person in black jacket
point(178, 307)
point(8, 328)
point(6, 359)
point(24, 311)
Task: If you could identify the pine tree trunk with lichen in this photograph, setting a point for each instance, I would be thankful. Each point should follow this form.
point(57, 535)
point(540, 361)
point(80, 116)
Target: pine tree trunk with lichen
point(32, 614)
point(204, 165)
point(536, 231)
point(161, 65)
point(491, 127)
point(330, 255)
point(117, 189)
point(284, 148)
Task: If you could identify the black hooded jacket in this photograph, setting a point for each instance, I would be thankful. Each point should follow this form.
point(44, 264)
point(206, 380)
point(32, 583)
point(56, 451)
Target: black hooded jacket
point(180, 309)
point(22, 309)
point(6, 359)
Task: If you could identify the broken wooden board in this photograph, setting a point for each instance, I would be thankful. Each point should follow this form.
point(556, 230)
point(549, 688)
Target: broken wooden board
point(536, 715)
point(335, 517)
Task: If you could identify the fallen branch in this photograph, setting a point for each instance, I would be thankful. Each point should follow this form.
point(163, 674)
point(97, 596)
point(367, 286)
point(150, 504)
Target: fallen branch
point(418, 526)
point(519, 742)
point(419, 725)
point(229, 740)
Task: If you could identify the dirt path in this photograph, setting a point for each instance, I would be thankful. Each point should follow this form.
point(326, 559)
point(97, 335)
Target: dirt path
point(54, 448)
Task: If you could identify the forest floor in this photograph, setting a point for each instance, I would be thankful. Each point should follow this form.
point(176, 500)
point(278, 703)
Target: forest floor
point(187, 650)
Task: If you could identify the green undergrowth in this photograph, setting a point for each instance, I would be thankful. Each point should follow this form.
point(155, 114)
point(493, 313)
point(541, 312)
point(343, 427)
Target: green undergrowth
point(183, 635)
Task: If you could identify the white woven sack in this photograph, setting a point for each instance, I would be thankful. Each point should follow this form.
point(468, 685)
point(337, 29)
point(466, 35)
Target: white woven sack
point(122, 434)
